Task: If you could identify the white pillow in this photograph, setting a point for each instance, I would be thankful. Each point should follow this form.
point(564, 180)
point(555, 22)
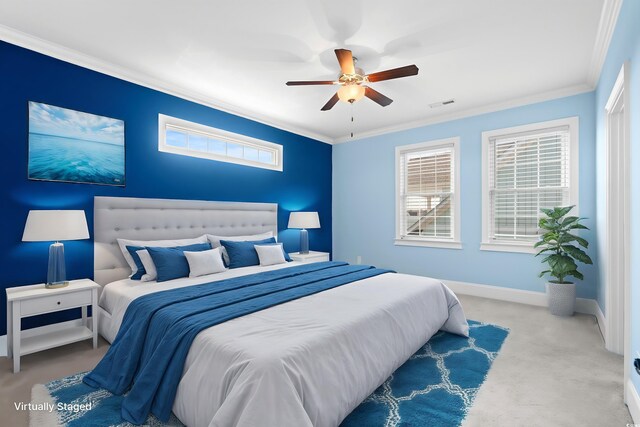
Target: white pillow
point(215, 241)
point(205, 262)
point(270, 254)
point(150, 268)
point(123, 243)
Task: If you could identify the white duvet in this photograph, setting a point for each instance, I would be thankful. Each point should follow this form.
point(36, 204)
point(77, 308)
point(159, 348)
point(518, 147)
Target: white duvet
point(308, 362)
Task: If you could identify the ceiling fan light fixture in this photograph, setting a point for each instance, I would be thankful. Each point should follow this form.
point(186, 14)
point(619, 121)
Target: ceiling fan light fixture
point(351, 92)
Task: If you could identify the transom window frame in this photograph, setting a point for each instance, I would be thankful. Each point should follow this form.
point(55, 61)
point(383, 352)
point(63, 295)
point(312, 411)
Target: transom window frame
point(166, 122)
point(454, 242)
point(573, 123)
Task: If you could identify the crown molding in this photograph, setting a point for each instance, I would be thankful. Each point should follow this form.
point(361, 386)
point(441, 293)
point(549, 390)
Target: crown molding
point(28, 41)
point(608, 19)
point(470, 112)
point(606, 27)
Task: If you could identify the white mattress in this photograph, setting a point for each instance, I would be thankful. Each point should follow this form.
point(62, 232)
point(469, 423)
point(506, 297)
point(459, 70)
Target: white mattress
point(308, 362)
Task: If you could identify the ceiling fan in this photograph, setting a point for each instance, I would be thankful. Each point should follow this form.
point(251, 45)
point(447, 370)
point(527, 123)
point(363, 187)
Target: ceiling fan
point(353, 81)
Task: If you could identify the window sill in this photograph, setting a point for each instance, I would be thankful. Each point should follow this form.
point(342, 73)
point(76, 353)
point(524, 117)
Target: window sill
point(446, 244)
point(523, 248)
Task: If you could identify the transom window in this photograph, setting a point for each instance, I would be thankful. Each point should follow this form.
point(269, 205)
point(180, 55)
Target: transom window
point(186, 138)
point(428, 203)
point(525, 169)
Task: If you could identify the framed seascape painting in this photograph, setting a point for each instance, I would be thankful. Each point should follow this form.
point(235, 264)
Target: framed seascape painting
point(72, 146)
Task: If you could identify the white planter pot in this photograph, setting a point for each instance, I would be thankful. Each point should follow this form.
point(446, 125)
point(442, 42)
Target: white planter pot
point(561, 298)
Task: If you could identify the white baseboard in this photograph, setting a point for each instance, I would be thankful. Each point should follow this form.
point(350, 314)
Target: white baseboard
point(602, 322)
point(632, 399)
point(583, 305)
point(40, 330)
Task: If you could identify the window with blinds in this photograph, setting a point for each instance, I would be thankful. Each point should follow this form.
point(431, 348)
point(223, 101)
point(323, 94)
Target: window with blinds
point(179, 136)
point(427, 202)
point(526, 171)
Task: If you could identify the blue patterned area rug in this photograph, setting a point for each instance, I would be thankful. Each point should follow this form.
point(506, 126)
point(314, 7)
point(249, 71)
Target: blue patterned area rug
point(437, 385)
point(434, 388)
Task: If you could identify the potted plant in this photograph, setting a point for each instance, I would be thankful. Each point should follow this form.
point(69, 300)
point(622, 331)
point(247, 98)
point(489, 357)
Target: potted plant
point(562, 251)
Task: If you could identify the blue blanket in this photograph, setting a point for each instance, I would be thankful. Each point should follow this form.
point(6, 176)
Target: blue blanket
point(147, 357)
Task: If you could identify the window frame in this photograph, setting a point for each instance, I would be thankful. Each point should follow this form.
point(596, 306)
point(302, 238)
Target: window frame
point(165, 121)
point(490, 244)
point(454, 242)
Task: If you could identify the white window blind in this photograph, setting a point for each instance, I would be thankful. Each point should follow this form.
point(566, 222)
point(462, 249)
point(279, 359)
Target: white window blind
point(527, 171)
point(427, 193)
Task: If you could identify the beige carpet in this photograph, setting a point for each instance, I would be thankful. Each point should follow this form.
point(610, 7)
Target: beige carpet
point(39, 368)
point(551, 372)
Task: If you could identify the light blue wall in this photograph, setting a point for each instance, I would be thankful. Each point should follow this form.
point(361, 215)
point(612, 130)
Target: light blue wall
point(364, 200)
point(625, 46)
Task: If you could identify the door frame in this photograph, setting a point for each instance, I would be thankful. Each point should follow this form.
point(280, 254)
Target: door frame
point(617, 223)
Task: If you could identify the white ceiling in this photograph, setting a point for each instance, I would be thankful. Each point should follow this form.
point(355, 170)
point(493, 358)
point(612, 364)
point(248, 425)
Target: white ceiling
point(237, 55)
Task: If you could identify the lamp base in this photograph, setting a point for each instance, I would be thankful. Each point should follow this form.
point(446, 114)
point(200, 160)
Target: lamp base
point(57, 285)
point(56, 274)
point(304, 241)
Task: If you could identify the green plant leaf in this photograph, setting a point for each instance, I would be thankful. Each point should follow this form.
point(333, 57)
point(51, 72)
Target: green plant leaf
point(545, 250)
point(547, 212)
point(576, 274)
point(568, 220)
point(563, 211)
point(580, 240)
point(577, 253)
point(549, 237)
point(566, 238)
point(548, 224)
point(546, 259)
point(577, 226)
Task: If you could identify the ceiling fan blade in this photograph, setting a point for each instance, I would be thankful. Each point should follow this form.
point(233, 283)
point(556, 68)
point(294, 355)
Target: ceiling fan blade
point(333, 101)
point(345, 58)
point(376, 96)
point(396, 73)
point(311, 82)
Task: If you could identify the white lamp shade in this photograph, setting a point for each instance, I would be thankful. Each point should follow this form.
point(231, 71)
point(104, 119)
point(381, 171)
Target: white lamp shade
point(304, 220)
point(54, 225)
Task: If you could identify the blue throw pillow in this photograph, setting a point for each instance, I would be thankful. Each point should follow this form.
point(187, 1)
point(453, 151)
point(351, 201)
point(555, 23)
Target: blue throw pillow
point(137, 275)
point(171, 263)
point(243, 254)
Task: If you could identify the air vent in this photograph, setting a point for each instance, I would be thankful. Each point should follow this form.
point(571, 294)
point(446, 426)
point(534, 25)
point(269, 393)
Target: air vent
point(442, 103)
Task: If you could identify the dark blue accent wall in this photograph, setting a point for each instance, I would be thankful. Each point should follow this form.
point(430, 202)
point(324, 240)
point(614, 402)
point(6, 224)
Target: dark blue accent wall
point(305, 183)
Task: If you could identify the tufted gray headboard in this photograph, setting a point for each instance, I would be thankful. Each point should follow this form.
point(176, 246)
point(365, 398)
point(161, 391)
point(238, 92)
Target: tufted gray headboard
point(160, 219)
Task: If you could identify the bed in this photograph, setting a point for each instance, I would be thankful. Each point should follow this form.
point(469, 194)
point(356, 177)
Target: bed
point(307, 362)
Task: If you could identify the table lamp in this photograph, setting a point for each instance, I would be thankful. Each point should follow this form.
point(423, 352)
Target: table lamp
point(304, 220)
point(55, 225)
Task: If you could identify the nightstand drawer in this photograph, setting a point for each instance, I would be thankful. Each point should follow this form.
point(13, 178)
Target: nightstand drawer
point(55, 302)
point(318, 258)
point(312, 256)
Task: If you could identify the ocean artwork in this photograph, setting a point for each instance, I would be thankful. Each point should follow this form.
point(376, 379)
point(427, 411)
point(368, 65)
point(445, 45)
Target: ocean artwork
point(72, 146)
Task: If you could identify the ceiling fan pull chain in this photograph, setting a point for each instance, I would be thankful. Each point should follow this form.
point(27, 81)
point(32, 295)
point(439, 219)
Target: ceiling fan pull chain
point(351, 119)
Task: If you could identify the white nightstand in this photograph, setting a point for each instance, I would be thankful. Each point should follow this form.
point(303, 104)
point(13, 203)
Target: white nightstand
point(25, 301)
point(312, 256)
